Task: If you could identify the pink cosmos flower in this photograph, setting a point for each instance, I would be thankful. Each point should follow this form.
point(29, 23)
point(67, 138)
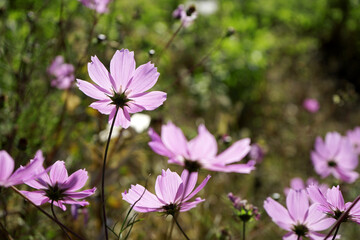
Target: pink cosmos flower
point(201, 151)
point(298, 184)
point(354, 138)
point(299, 219)
point(8, 178)
point(187, 17)
point(100, 6)
point(63, 72)
point(256, 153)
point(332, 203)
point(172, 194)
point(124, 87)
point(311, 105)
point(335, 156)
point(57, 186)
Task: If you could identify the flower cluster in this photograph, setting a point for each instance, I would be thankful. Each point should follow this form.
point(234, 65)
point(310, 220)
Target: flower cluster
point(186, 16)
point(63, 73)
point(244, 210)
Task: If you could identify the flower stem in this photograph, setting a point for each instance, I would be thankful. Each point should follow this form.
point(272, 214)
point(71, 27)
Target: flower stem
point(171, 228)
point(103, 176)
point(53, 212)
point(46, 214)
point(182, 231)
point(336, 232)
point(244, 224)
point(343, 216)
point(169, 42)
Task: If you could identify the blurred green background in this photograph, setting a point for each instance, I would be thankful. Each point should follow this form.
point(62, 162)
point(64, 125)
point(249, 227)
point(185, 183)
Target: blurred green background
point(250, 84)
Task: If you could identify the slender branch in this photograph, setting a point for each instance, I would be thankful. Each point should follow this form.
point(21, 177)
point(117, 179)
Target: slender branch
point(46, 214)
point(182, 231)
point(244, 223)
point(169, 42)
point(53, 212)
point(342, 217)
point(336, 232)
point(103, 176)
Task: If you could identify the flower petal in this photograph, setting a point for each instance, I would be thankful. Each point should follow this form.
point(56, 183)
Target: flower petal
point(157, 145)
point(167, 186)
point(103, 106)
point(58, 173)
point(278, 214)
point(76, 180)
point(6, 166)
point(203, 146)
point(100, 75)
point(92, 90)
point(235, 152)
point(122, 68)
point(174, 140)
point(149, 100)
point(143, 199)
point(144, 78)
point(198, 189)
point(298, 204)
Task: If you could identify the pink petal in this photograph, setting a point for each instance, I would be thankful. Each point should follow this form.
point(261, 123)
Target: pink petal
point(58, 173)
point(81, 194)
point(298, 204)
point(72, 201)
point(93, 91)
point(144, 199)
point(6, 166)
point(157, 145)
point(318, 221)
point(149, 100)
point(291, 236)
point(186, 206)
point(204, 146)
point(144, 78)
point(317, 196)
point(345, 175)
point(167, 186)
point(76, 180)
point(198, 189)
point(278, 213)
point(100, 75)
point(235, 152)
point(122, 68)
point(333, 143)
point(189, 181)
point(134, 108)
point(122, 118)
point(335, 198)
point(238, 168)
point(174, 139)
point(297, 184)
point(103, 106)
point(37, 197)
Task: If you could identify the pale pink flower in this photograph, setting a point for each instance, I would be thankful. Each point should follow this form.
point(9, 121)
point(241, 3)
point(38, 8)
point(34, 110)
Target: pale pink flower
point(298, 184)
point(335, 156)
point(332, 203)
point(256, 153)
point(9, 178)
point(124, 87)
point(311, 105)
point(63, 73)
point(354, 138)
point(299, 219)
point(173, 193)
point(200, 152)
point(57, 186)
point(186, 16)
point(100, 6)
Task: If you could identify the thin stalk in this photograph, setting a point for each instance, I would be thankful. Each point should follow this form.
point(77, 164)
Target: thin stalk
point(103, 176)
point(244, 223)
point(343, 216)
point(169, 42)
point(53, 212)
point(171, 229)
point(182, 231)
point(336, 232)
point(46, 214)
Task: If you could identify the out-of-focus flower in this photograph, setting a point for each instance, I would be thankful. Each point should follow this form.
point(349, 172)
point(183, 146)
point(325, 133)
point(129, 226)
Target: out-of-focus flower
point(104, 134)
point(298, 184)
point(57, 186)
point(354, 138)
point(201, 151)
point(256, 153)
point(186, 16)
point(124, 87)
point(244, 210)
point(100, 6)
point(332, 203)
point(311, 105)
point(140, 122)
point(170, 193)
point(63, 73)
point(75, 209)
point(298, 219)
point(335, 156)
point(30, 171)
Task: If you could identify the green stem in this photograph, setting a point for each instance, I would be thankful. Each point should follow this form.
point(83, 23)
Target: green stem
point(103, 176)
point(182, 231)
point(53, 212)
point(46, 214)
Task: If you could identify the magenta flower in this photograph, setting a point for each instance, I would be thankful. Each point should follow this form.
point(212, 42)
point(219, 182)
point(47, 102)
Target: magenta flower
point(63, 73)
point(332, 203)
point(186, 16)
point(170, 196)
point(311, 105)
point(298, 184)
point(299, 219)
point(256, 153)
point(335, 156)
point(201, 151)
point(123, 87)
point(354, 138)
point(57, 186)
point(8, 178)
point(100, 6)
